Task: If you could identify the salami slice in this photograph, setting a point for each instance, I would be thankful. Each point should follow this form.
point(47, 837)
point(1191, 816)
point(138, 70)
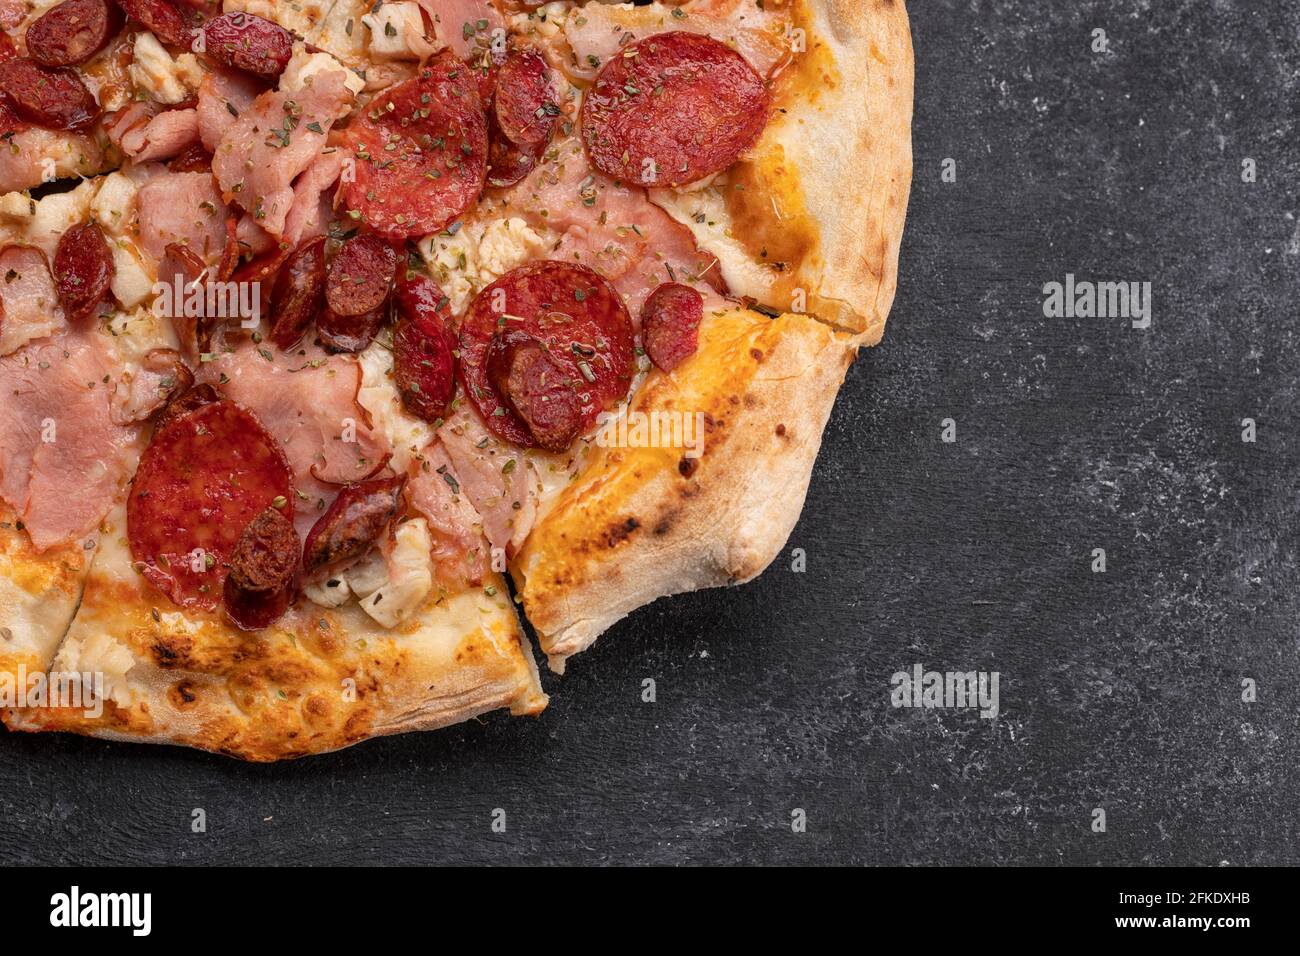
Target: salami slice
point(360, 276)
point(421, 152)
point(424, 350)
point(670, 324)
point(537, 389)
point(206, 474)
point(186, 402)
point(508, 162)
point(52, 98)
point(72, 32)
point(299, 293)
point(574, 315)
point(263, 576)
point(352, 523)
point(524, 104)
point(161, 18)
point(83, 270)
point(673, 108)
point(350, 333)
point(249, 43)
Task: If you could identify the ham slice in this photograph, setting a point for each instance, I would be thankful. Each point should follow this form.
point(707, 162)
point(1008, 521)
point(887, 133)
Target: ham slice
point(621, 234)
point(162, 137)
point(461, 555)
point(29, 304)
point(184, 208)
point(32, 156)
point(603, 29)
point(63, 461)
point(308, 401)
point(313, 205)
point(222, 98)
point(450, 16)
point(274, 141)
point(503, 495)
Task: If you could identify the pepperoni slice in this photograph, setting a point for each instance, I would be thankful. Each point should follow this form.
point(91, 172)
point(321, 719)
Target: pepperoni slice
point(72, 32)
point(360, 276)
point(424, 350)
point(671, 109)
point(352, 523)
point(263, 574)
point(83, 270)
point(205, 476)
point(250, 43)
point(53, 98)
point(536, 388)
point(508, 162)
point(524, 105)
point(352, 333)
point(670, 324)
point(421, 152)
point(574, 315)
point(161, 18)
point(298, 293)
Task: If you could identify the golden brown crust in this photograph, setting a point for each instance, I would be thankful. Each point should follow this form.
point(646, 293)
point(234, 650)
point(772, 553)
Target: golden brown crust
point(316, 681)
point(823, 195)
point(39, 592)
point(641, 523)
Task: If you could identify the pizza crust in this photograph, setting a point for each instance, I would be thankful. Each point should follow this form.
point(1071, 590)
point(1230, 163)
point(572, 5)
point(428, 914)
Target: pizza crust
point(810, 220)
point(316, 681)
point(38, 596)
point(642, 523)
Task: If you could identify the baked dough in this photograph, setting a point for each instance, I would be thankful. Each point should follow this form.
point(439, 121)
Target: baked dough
point(641, 523)
point(316, 681)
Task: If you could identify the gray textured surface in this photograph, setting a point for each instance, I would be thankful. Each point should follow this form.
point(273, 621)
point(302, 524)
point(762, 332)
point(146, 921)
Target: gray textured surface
point(1119, 690)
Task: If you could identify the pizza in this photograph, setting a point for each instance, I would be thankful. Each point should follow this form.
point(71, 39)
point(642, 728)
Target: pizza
point(339, 338)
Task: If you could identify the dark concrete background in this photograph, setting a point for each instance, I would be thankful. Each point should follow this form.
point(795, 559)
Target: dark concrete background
point(1119, 690)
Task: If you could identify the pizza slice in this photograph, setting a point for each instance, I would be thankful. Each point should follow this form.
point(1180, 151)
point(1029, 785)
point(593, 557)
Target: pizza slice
point(366, 303)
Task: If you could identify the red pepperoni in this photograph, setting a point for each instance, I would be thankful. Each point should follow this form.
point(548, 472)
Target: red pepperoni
point(536, 388)
point(421, 152)
point(484, 65)
point(161, 18)
point(671, 109)
point(263, 576)
point(83, 270)
point(230, 252)
point(7, 49)
point(55, 99)
point(299, 293)
point(248, 43)
point(351, 333)
point(508, 162)
point(206, 475)
point(424, 350)
point(360, 276)
point(524, 104)
point(72, 32)
point(670, 324)
point(352, 523)
point(574, 314)
point(192, 159)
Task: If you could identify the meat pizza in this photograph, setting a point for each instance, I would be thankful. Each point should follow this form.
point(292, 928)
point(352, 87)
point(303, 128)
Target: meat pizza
point(337, 337)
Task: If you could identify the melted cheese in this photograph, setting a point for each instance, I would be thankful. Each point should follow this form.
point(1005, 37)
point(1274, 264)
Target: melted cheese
point(406, 434)
point(303, 17)
point(166, 80)
point(100, 663)
point(304, 64)
point(396, 31)
point(410, 576)
point(702, 209)
point(478, 254)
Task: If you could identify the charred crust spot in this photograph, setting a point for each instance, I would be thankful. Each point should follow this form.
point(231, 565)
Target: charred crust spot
point(750, 401)
point(620, 532)
point(665, 524)
point(757, 354)
point(171, 650)
point(686, 467)
point(780, 429)
point(182, 695)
